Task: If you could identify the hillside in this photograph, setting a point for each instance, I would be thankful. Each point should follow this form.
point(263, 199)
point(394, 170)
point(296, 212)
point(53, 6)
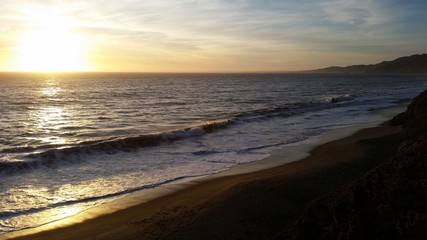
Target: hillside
point(388, 202)
point(410, 64)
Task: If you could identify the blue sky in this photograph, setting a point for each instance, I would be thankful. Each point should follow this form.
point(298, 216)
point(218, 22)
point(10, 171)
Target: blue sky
point(221, 35)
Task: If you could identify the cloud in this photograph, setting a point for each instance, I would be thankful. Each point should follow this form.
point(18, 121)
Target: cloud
point(275, 32)
point(366, 12)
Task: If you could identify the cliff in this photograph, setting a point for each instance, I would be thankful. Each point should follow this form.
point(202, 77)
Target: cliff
point(388, 202)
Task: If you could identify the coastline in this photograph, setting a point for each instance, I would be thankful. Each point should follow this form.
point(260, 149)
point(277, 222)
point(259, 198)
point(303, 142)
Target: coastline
point(140, 212)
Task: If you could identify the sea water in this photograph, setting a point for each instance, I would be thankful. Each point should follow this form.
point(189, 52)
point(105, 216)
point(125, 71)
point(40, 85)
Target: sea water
point(69, 142)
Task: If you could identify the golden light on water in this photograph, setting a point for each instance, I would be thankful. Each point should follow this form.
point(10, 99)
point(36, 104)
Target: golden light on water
point(50, 118)
point(51, 89)
point(50, 44)
point(67, 211)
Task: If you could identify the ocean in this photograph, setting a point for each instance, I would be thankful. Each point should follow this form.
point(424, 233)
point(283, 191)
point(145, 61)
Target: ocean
point(70, 142)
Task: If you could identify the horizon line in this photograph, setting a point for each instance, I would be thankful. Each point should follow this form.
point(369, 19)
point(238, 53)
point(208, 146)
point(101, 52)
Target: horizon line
point(136, 72)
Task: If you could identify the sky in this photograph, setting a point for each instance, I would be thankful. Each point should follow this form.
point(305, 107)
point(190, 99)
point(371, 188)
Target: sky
point(207, 36)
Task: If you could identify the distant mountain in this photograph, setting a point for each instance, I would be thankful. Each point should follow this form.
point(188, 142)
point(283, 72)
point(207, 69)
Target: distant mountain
point(411, 64)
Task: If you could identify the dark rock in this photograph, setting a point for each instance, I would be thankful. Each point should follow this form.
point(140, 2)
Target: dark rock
point(416, 121)
point(399, 119)
point(388, 202)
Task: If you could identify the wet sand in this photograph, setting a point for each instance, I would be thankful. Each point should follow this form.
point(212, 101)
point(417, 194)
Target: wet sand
point(256, 205)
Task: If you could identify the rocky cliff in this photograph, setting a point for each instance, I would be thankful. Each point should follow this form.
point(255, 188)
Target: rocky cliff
point(388, 202)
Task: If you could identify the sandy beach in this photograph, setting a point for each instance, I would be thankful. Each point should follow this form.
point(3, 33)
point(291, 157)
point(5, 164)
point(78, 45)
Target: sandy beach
point(228, 120)
point(254, 205)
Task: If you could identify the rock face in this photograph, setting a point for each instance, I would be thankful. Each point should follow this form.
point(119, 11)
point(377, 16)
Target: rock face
point(416, 115)
point(389, 202)
point(414, 119)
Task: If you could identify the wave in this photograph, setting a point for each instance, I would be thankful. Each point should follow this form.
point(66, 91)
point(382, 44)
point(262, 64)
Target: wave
point(9, 214)
point(338, 98)
point(294, 108)
point(50, 157)
point(297, 138)
point(278, 111)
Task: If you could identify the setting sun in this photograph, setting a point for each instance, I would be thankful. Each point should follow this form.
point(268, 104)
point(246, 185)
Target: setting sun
point(50, 45)
point(195, 119)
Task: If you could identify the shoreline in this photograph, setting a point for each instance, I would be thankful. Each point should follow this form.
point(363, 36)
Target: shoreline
point(193, 193)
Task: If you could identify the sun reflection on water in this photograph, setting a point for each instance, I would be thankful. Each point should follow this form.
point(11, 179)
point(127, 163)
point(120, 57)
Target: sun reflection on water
point(66, 212)
point(50, 88)
point(51, 91)
point(50, 116)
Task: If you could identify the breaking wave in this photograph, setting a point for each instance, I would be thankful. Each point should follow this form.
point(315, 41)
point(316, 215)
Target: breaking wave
point(51, 155)
point(126, 144)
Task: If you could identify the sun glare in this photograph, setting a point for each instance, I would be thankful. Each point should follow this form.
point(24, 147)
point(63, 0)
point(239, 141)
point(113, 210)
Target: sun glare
point(50, 45)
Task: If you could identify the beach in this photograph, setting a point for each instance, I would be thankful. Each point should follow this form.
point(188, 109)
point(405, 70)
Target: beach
point(213, 120)
point(79, 141)
point(254, 205)
point(247, 170)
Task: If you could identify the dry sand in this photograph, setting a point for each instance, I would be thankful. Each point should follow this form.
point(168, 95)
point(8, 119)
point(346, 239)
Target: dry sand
point(255, 205)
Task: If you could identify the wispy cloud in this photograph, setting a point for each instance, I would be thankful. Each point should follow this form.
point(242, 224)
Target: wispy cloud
point(274, 34)
point(364, 12)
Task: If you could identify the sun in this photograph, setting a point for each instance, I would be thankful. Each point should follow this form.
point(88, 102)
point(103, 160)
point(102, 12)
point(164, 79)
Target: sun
point(50, 44)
